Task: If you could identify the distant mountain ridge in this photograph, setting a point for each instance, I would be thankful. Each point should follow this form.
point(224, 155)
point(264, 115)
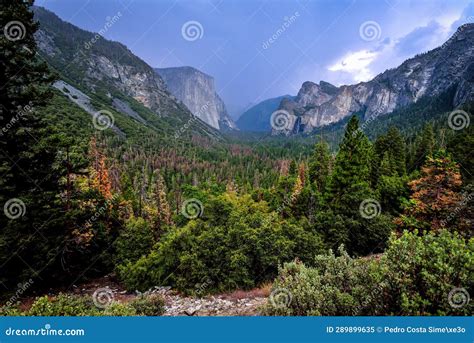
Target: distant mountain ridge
point(425, 75)
point(197, 91)
point(257, 117)
point(110, 73)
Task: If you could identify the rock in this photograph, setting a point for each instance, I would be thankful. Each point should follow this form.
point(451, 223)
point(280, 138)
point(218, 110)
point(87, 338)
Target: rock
point(197, 91)
point(429, 74)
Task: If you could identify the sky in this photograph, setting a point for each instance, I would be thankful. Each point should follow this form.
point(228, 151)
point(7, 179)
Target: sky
point(259, 49)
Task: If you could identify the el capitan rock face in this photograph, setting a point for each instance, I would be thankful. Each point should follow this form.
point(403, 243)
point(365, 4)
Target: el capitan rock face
point(197, 91)
point(429, 74)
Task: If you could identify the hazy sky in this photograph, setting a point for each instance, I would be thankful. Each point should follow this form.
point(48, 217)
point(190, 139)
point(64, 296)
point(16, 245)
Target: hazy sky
point(258, 49)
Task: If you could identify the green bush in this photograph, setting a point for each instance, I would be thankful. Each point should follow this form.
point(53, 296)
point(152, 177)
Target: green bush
point(417, 275)
point(135, 240)
point(421, 271)
point(119, 309)
point(238, 243)
point(151, 305)
point(74, 305)
point(63, 305)
point(336, 286)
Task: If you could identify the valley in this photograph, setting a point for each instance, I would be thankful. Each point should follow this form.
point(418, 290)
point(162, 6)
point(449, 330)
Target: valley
point(129, 190)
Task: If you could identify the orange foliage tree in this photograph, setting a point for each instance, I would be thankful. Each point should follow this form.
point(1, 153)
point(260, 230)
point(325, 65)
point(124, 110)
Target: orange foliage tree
point(436, 197)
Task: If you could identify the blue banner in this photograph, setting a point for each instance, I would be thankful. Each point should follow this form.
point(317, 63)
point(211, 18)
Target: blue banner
point(237, 329)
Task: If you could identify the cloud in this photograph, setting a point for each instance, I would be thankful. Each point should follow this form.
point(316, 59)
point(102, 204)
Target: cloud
point(421, 39)
point(357, 64)
point(467, 16)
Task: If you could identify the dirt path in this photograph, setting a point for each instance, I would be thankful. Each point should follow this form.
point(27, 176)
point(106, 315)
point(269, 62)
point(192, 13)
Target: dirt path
point(238, 303)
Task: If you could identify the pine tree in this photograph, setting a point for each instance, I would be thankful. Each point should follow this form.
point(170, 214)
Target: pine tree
point(28, 150)
point(163, 213)
point(425, 146)
point(436, 200)
point(397, 150)
point(100, 179)
point(389, 156)
point(292, 169)
point(351, 168)
point(319, 166)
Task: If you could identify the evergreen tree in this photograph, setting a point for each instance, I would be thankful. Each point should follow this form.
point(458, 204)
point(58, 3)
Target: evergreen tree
point(348, 189)
point(425, 146)
point(292, 168)
point(30, 240)
point(163, 215)
point(436, 201)
point(351, 169)
point(396, 150)
point(319, 166)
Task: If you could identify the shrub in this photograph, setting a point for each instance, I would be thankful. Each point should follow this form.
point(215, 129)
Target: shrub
point(134, 241)
point(421, 271)
point(119, 309)
point(151, 305)
point(418, 275)
point(239, 243)
point(63, 305)
point(336, 286)
point(74, 305)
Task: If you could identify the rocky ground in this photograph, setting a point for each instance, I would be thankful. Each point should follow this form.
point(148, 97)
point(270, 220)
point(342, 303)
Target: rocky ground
point(238, 303)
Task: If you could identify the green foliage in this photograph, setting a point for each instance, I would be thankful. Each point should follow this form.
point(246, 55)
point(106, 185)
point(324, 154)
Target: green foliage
point(418, 275)
point(238, 243)
point(421, 271)
point(148, 305)
point(336, 286)
point(135, 240)
point(63, 305)
point(460, 147)
point(319, 166)
point(351, 168)
point(393, 192)
point(75, 305)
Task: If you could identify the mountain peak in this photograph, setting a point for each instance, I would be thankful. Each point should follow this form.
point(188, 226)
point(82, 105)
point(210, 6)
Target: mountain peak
point(426, 75)
point(197, 91)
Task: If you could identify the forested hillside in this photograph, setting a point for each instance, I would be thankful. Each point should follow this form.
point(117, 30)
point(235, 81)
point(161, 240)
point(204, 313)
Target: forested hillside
point(358, 218)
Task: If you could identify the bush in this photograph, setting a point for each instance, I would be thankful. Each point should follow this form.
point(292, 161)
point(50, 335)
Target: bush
point(63, 305)
point(421, 271)
point(418, 275)
point(73, 305)
point(151, 305)
point(238, 243)
point(337, 286)
point(134, 241)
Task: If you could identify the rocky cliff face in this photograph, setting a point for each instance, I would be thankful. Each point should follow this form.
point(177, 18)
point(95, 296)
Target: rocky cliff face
point(429, 74)
point(109, 70)
point(197, 91)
